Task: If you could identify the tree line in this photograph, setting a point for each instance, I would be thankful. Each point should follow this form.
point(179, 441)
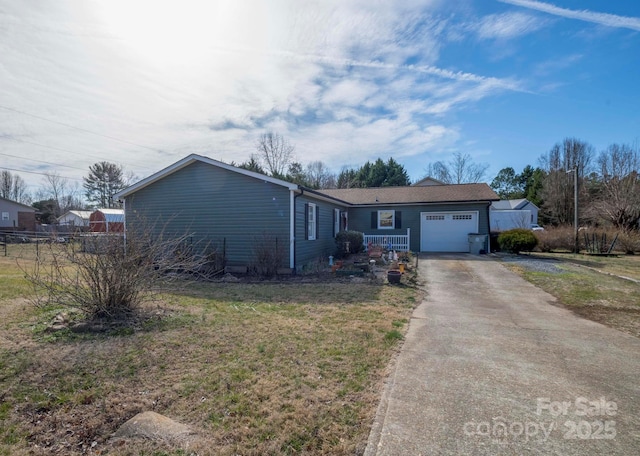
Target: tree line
point(57, 195)
point(608, 181)
point(608, 184)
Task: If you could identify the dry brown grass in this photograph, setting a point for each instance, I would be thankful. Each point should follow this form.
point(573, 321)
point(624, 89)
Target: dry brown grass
point(255, 369)
point(594, 295)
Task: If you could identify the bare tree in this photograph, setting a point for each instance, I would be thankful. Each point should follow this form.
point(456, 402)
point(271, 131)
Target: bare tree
point(107, 279)
point(65, 196)
point(461, 169)
point(13, 187)
point(319, 175)
point(619, 173)
point(557, 190)
point(275, 153)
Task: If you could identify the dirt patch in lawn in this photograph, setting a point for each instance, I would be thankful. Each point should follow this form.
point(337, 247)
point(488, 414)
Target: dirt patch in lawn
point(626, 320)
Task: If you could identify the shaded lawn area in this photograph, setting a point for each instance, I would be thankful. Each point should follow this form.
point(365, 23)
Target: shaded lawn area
point(599, 297)
point(263, 368)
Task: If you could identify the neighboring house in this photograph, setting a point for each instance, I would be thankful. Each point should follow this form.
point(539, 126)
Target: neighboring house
point(521, 211)
point(428, 181)
point(75, 219)
point(16, 216)
point(236, 209)
point(107, 221)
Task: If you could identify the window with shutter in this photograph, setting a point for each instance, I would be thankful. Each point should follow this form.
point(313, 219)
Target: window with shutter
point(311, 221)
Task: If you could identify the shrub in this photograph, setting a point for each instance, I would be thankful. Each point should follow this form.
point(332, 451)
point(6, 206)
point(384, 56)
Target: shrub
point(355, 240)
point(268, 254)
point(628, 242)
point(517, 240)
point(109, 278)
point(560, 238)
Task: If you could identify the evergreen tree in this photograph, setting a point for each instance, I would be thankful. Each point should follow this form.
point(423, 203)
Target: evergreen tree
point(104, 180)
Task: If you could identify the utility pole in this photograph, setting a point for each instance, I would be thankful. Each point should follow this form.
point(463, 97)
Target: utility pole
point(576, 241)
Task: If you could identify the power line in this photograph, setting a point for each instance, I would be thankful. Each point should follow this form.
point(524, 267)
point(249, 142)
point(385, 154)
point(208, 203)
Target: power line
point(55, 148)
point(41, 161)
point(78, 128)
point(34, 172)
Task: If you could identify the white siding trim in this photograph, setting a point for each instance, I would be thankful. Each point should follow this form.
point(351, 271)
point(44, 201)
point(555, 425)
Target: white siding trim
point(292, 229)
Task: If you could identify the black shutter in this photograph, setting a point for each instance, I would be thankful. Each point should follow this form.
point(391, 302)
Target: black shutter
point(317, 219)
point(374, 220)
point(306, 221)
point(398, 220)
point(334, 223)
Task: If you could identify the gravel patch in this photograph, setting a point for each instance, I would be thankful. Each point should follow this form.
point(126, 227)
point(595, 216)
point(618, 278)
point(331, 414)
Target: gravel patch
point(534, 264)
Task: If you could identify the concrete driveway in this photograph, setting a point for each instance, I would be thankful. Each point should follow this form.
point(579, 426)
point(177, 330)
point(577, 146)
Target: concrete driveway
point(492, 366)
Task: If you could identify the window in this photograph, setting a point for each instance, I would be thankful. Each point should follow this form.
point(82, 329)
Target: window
point(462, 217)
point(5, 216)
point(312, 222)
point(336, 222)
point(386, 220)
point(435, 217)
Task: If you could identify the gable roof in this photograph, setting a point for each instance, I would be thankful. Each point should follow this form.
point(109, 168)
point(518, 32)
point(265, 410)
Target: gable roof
point(428, 181)
point(198, 158)
point(84, 215)
point(112, 215)
point(33, 209)
point(513, 204)
point(458, 193)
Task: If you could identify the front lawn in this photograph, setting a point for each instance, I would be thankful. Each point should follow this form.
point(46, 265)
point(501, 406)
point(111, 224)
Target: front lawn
point(254, 369)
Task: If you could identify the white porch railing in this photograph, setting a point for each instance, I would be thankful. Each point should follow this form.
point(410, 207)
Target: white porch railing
point(397, 242)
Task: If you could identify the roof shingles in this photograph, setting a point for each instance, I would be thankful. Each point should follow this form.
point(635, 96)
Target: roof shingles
point(414, 194)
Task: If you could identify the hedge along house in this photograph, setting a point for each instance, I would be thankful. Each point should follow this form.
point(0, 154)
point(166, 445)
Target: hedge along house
point(240, 211)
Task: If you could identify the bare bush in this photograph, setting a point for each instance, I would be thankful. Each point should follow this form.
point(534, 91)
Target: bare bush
point(628, 242)
point(561, 238)
point(110, 277)
point(269, 255)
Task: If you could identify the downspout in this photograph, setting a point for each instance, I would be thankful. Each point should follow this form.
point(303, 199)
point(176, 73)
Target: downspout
point(124, 225)
point(292, 228)
point(488, 246)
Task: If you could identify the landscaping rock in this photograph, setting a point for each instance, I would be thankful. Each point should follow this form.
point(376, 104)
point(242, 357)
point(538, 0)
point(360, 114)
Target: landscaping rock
point(229, 278)
point(153, 426)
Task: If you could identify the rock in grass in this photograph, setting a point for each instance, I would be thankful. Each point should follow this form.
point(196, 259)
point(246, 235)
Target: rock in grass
point(153, 426)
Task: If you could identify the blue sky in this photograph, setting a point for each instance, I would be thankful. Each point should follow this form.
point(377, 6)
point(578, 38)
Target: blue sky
point(144, 83)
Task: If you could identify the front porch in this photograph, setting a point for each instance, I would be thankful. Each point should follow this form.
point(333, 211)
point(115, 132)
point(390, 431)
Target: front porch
point(397, 242)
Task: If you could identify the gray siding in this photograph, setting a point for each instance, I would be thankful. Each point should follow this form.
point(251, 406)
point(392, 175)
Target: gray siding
point(360, 218)
point(309, 251)
point(218, 206)
point(11, 210)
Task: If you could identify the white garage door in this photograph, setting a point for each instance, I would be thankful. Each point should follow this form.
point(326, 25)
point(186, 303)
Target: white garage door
point(447, 231)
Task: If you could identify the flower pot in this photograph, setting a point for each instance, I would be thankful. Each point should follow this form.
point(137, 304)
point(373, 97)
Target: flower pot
point(401, 267)
point(394, 276)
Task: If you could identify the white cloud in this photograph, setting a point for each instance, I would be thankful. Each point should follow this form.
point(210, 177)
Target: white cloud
point(346, 81)
point(508, 25)
point(610, 20)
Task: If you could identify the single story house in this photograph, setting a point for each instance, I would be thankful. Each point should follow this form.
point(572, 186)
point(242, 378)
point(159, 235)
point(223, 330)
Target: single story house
point(107, 221)
point(75, 219)
point(16, 216)
point(237, 209)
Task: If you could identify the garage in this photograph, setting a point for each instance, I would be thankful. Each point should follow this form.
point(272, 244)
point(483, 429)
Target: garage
point(447, 231)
